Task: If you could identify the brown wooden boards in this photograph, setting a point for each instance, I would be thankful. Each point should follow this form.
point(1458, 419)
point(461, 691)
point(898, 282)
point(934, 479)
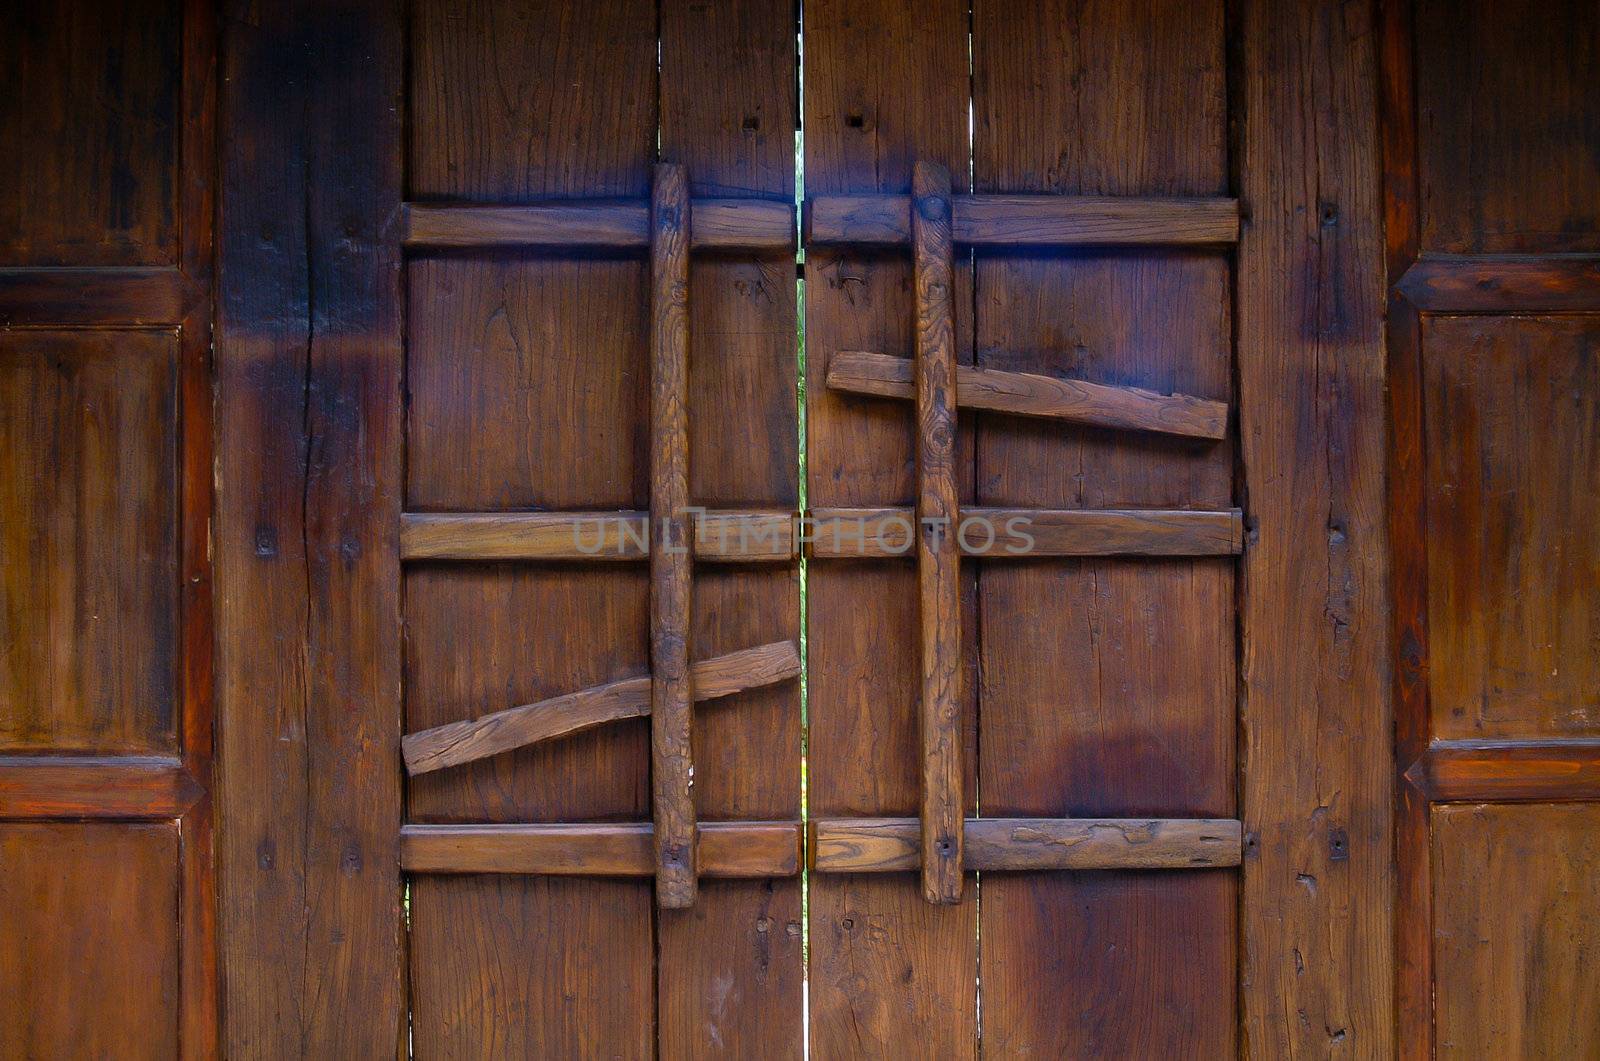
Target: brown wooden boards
point(719, 224)
point(1024, 220)
point(604, 849)
point(726, 535)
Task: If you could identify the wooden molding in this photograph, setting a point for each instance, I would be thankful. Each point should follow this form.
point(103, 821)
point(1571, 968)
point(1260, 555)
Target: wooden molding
point(143, 297)
point(136, 787)
point(719, 536)
point(1023, 533)
point(1508, 771)
point(752, 225)
point(596, 849)
point(1503, 284)
point(1037, 220)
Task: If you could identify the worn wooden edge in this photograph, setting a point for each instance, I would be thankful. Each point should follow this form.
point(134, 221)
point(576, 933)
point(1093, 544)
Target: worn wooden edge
point(1030, 220)
point(124, 787)
point(1021, 533)
point(467, 741)
point(1503, 284)
point(1045, 397)
point(889, 845)
point(1456, 771)
point(109, 297)
point(720, 536)
point(740, 850)
point(753, 225)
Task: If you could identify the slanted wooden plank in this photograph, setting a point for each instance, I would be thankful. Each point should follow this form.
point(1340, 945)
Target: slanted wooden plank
point(596, 849)
point(722, 536)
point(1022, 220)
point(720, 224)
point(1029, 394)
point(938, 560)
point(1014, 533)
point(515, 727)
point(885, 845)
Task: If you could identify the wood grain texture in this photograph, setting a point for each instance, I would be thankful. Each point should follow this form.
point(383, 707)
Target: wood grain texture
point(719, 225)
point(1505, 771)
point(938, 556)
point(89, 915)
point(1505, 99)
point(881, 845)
point(1513, 563)
point(115, 295)
point(74, 786)
point(1503, 284)
point(603, 849)
point(308, 366)
point(1031, 220)
point(885, 84)
point(516, 727)
point(1516, 950)
point(726, 536)
point(1317, 958)
point(89, 435)
point(1020, 533)
point(1046, 397)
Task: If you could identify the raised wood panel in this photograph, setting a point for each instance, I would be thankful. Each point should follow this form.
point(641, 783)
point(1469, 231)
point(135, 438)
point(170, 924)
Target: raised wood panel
point(1516, 941)
point(1507, 125)
point(88, 467)
point(89, 915)
point(89, 133)
point(1512, 423)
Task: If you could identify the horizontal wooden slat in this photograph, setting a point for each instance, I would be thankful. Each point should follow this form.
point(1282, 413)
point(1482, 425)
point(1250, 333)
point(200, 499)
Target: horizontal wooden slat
point(884, 845)
point(1041, 220)
point(1027, 394)
point(1542, 771)
point(144, 297)
point(724, 536)
point(463, 742)
point(1019, 533)
point(48, 786)
point(753, 225)
point(598, 849)
point(1493, 284)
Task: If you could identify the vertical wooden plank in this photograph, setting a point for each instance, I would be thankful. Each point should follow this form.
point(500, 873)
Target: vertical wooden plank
point(886, 83)
point(671, 752)
point(308, 464)
point(1318, 885)
point(729, 970)
point(938, 586)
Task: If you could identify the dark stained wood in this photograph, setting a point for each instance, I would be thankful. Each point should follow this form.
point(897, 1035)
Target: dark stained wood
point(890, 975)
point(1018, 533)
point(115, 296)
point(88, 463)
point(1317, 961)
point(69, 786)
point(1483, 284)
point(1504, 771)
point(90, 133)
point(1505, 97)
point(600, 849)
point(938, 556)
point(1031, 220)
point(719, 225)
point(1516, 890)
point(516, 727)
point(880, 845)
point(308, 382)
point(727, 536)
point(92, 954)
point(1026, 394)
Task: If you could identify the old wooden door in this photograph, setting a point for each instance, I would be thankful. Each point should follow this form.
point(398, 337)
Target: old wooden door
point(506, 283)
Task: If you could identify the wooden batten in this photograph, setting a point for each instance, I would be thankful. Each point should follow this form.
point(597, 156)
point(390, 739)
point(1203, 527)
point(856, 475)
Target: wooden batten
point(596, 849)
point(1028, 394)
point(1030, 220)
point(463, 742)
point(1508, 771)
point(1021, 533)
point(889, 845)
point(751, 225)
point(1502, 284)
point(719, 536)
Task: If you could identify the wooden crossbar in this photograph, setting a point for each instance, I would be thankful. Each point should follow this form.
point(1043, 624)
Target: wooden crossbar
point(1021, 533)
point(719, 536)
point(1028, 394)
point(1023, 220)
point(884, 845)
point(754, 225)
point(467, 741)
point(596, 849)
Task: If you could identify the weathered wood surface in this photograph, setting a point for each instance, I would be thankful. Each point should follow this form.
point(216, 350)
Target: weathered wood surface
point(1484, 284)
point(73, 786)
point(515, 727)
point(726, 536)
point(596, 849)
point(1017, 533)
point(107, 296)
point(1506, 771)
point(1027, 394)
point(1030, 220)
point(719, 225)
point(882, 845)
